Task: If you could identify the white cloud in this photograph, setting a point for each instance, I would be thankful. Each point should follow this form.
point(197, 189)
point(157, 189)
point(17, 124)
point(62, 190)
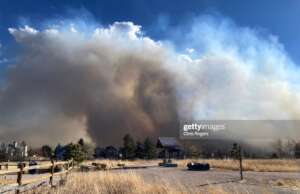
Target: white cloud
point(52, 31)
point(72, 28)
point(190, 50)
point(21, 34)
point(129, 29)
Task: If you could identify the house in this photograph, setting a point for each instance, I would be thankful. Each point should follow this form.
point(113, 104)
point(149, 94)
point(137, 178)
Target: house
point(111, 152)
point(170, 148)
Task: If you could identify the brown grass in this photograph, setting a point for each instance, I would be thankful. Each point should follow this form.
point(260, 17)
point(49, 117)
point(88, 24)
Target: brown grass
point(118, 183)
point(4, 181)
point(290, 183)
point(258, 165)
point(109, 182)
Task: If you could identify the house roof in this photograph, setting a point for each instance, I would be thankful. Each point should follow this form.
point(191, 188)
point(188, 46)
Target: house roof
point(167, 142)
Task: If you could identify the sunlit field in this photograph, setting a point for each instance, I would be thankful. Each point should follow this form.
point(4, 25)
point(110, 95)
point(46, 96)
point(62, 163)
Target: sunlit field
point(257, 165)
point(222, 178)
point(116, 183)
point(131, 183)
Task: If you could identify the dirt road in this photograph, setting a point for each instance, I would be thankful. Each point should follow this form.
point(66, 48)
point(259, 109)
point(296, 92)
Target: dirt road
point(254, 182)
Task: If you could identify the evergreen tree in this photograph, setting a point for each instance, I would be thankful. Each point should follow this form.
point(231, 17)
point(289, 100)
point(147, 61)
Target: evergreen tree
point(74, 151)
point(47, 151)
point(129, 147)
point(81, 142)
point(84, 147)
point(140, 152)
point(58, 152)
point(149, 148)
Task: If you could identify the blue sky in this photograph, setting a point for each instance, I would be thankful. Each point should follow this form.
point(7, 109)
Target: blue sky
point(280, 18)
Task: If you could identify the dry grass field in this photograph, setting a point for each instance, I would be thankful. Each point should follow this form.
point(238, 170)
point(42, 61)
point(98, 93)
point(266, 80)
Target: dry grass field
point(257, 165)
point(4, 181)
point(118, 183)
point(261, 177)
point(129, 182)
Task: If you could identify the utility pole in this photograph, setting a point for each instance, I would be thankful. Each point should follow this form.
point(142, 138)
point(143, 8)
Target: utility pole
point(241, 161)
point(237, 154)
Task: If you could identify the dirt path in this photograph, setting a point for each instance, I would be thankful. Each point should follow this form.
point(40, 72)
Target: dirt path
point(255, 182)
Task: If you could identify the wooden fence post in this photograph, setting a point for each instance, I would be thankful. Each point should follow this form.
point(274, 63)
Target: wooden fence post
point(52, 173)
point(19, 178)
point(241, 162)
point(68, 165)
point(21, 168)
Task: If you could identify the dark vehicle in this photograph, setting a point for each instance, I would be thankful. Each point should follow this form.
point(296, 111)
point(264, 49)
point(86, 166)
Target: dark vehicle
point(33, 163)
point(198, 166)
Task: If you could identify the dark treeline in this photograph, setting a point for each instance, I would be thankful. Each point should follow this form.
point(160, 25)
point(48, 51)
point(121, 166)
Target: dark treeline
point(80, 151)
point(146, 149)
point(131, 149)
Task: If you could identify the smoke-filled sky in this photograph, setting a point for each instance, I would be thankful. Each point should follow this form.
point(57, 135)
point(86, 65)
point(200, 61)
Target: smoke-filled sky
point(63, 78)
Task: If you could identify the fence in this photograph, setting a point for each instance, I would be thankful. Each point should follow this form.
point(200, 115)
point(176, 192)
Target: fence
point(20, 168)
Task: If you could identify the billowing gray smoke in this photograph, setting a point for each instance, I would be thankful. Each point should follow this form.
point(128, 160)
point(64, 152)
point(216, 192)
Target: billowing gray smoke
point(68, 84)
point(111, 84)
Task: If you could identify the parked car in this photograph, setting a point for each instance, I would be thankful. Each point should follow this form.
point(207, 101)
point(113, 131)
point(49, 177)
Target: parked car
point(198, 166)
point(33, 163)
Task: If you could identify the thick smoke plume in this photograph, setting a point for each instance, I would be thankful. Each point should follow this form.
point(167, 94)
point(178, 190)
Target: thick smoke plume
point(68, 84)
point(109, 84)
